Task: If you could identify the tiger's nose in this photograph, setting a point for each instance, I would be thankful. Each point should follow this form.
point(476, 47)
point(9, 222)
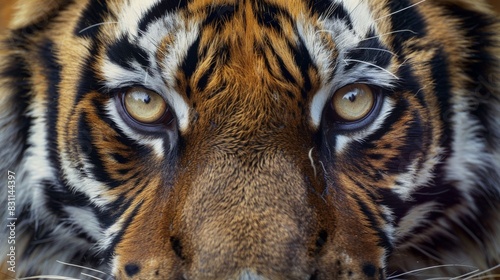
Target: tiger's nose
point(255, 224)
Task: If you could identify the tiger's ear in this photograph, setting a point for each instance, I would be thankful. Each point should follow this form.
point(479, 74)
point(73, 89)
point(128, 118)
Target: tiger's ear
point(31, 12)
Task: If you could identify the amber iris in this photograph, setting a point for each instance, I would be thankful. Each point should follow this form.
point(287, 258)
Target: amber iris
point(353, 102)
point(144, 106)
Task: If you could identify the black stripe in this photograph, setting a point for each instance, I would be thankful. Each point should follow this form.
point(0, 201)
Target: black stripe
point(268, 15)
point(191, 61)
point(159, 10)
point(58, 196)
point(120, 158)
point(52, 71)
point(412, 149)
point(284, 71)
point(205, 77)
point(91, 152)
point(303, 59)
point(88, 80)
point(405, 17)
point(395, 115)
point(108, 253)
point(332, 11)
point(124, 53)
point(220, 15)
point(95, 13)
point(384, 240)
point(409, 82)
point(442, 89)
point(19, 82)
point(370, 50)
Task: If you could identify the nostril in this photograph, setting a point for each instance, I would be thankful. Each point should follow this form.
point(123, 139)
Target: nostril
point(321, 240)
point(177, 247)
point(132, 269)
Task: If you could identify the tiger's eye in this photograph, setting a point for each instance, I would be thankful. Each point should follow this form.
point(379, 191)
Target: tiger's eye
point(144, 106)
point(353, 102)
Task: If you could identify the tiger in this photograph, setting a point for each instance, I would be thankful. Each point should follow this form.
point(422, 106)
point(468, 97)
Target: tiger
point(250, 140)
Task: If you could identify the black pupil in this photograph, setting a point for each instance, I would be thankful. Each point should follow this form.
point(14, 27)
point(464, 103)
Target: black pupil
point(352, 96)
point(147, 99)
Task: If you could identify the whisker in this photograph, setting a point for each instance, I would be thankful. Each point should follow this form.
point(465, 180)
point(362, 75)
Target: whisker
point(493, 276)
point(312, 161)
point(389, 33)
point(374, 65)
point(48, 277)
point(369, 38)
point(432, 193)
point(465, 275)
point(95, 25)
point(88, 275)
point(428, 252)
point(376, 49)
point(483, 272)
point(82, 267)
point(431, 267)
point(400, 10)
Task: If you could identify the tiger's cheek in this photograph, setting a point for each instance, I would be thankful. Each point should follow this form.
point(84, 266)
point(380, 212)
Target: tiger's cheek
point(359, 237)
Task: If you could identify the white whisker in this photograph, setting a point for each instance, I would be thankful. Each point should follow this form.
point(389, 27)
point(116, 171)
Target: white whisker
point(398, 11)
point(82, 267)
point(95, 25)
point(88, 275)
point(483, 272)
point(312, 161)
point(389, 33)
point(374, 65)
point(48, 277)
point(376, 49)
point(465, 275)
point(429, 268)
point(488, 277)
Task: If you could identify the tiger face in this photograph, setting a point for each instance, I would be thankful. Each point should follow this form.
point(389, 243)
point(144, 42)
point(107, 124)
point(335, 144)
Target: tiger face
point(293, 139)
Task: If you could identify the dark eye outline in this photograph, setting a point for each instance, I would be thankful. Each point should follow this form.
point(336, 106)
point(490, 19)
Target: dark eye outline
point(164, 123)
point(334, 122)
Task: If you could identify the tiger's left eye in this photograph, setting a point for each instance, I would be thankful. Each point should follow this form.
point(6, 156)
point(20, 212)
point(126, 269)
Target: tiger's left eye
point(353, 107)
point(352, 103)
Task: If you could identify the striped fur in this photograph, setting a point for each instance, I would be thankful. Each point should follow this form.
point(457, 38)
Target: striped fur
point(253, 178)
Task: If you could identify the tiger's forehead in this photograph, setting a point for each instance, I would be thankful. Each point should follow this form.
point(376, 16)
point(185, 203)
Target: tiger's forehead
point(169, 38)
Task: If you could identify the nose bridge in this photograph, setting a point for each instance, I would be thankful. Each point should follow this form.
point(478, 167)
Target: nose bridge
point(247, 216)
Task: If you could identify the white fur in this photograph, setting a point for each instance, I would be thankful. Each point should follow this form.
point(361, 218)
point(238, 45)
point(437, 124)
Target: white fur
point(131, 14)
